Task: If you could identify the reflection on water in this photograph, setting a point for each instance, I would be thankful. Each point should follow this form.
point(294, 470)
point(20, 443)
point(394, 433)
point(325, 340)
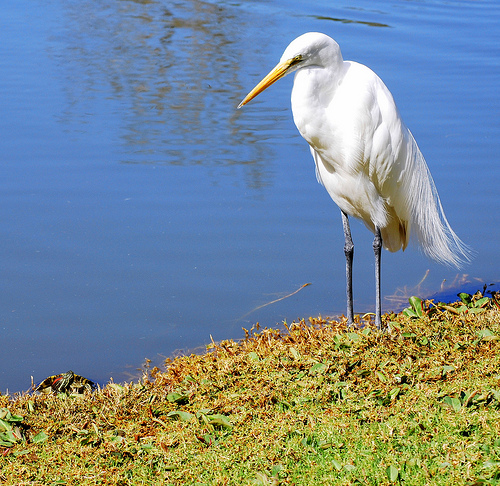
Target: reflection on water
point(175, 72)
point(141, 212)
point(349, 21)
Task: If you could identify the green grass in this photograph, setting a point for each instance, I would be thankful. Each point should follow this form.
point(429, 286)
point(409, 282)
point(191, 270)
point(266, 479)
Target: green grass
point(313, 404)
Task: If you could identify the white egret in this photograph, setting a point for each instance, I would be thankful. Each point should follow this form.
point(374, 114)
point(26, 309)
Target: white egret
point(365, 156)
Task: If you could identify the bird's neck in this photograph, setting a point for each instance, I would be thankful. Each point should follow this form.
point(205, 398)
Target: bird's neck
point(313, 90)
point(317, 85)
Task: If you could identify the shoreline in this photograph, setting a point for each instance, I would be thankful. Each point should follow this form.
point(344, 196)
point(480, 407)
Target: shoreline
point(296, 407)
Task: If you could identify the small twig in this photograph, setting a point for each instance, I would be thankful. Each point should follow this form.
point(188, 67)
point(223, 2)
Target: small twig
point(157, 420)
point(273, 301)
point(161, 422)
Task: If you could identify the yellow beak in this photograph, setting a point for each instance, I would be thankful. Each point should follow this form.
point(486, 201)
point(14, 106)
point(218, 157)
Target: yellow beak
point(277, 73)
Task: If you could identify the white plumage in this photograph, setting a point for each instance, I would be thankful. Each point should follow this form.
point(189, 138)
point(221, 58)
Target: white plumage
point(365, 156)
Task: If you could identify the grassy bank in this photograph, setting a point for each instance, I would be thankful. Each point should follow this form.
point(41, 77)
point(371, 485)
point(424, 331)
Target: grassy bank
point(315, 403)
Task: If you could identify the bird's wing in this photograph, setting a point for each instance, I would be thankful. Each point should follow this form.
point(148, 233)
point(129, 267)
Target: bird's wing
point(400, 173)
point(317, 161)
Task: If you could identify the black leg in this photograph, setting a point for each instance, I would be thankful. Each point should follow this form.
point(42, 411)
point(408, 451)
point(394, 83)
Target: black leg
point(349, 255)
point(377, 248)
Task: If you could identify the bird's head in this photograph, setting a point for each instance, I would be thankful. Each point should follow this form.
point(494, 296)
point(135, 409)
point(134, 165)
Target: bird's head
point(308, 50)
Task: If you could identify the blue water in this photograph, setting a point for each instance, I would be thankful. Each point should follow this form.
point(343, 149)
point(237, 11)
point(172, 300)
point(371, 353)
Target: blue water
point(141, 213)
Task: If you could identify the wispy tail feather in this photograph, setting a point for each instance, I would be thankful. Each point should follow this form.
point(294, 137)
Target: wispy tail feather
point(428, 221)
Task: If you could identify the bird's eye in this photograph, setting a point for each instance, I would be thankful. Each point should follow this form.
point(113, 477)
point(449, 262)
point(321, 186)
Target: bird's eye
point(296, 60)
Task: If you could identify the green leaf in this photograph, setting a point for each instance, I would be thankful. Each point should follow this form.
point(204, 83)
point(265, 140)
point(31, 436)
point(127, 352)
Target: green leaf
point(115, 387)
point(395, 325)
point(484, 333)
point(309, 441)
point(447, 369)
point(4, 425)
point(409, 312)
point(408, 335)
point(353, 336)
point(253, 356)
point(188, 379)
point(207, 439)
point(14, 418)
point(261, 479)
point(8, 439)
point(465, 298)
point(175, 397)
point(487, 335)
point(416, 305)
point(294, 353)
point(336, 464)
point(381, 376)
point(482, 302)
point(394, 393)
point(276, 469)
point(392, 473)
point(219, 420)
point(21, 453)
point(318, 368)
point(6, 443)
point(203, 411)
point(363, 373)
point(476, 310)
point(453, 403)
point(284, 406)
point(40, 437)
point(180, 415)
